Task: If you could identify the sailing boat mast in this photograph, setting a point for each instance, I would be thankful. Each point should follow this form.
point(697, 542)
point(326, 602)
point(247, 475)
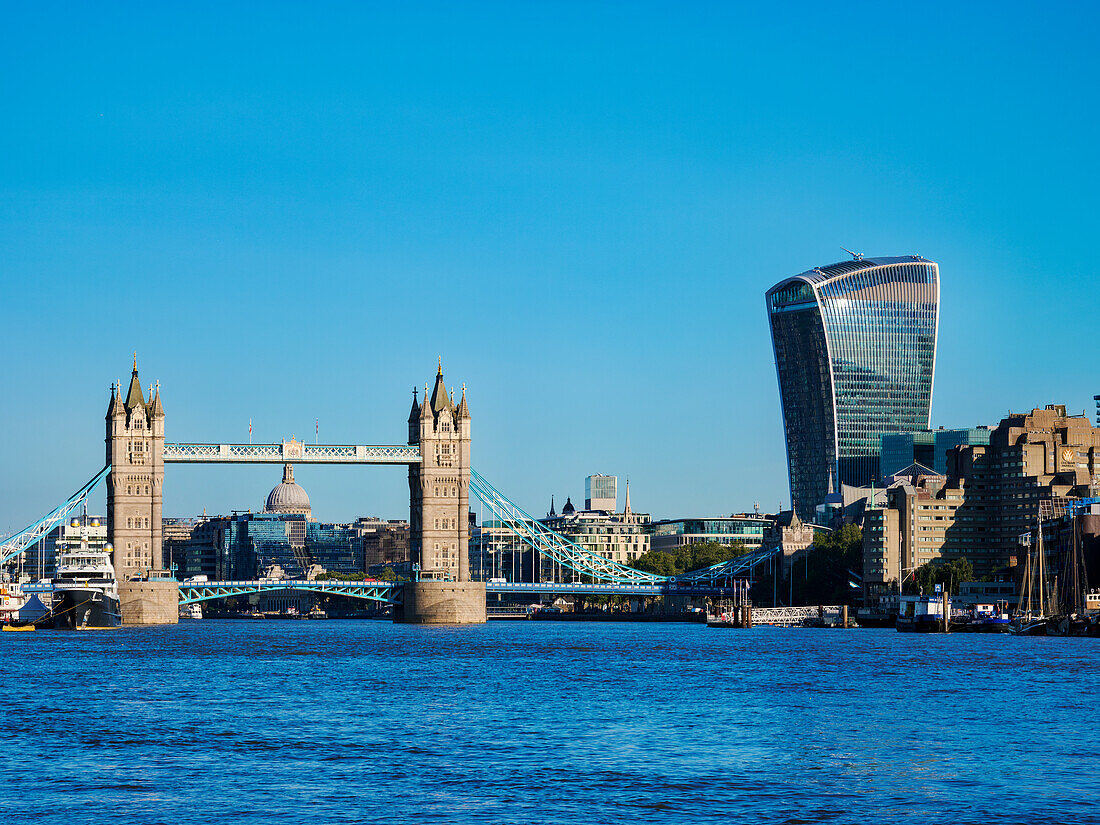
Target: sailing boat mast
point(1041, 572)
point(1075, 582)
point(1020, 610)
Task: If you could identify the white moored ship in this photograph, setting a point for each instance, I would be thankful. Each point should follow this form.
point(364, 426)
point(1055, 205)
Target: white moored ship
point(85, 591)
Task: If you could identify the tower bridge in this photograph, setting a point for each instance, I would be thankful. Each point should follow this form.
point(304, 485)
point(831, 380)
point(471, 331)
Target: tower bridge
point(440, 476)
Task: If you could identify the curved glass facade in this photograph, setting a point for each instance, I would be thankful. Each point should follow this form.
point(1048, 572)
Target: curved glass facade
point(855, 351)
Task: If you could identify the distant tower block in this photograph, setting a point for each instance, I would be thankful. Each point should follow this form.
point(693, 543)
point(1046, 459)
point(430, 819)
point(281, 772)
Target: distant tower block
point(135, 486)
point(439, 486)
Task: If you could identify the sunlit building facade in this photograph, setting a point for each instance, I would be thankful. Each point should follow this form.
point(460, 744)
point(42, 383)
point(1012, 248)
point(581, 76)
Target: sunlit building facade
point(855, 352)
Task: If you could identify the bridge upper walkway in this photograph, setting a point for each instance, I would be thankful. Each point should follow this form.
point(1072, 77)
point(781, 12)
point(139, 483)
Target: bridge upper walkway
point(290, 452)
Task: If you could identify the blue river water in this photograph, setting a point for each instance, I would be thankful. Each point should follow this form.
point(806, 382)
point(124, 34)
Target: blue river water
point(544, 722)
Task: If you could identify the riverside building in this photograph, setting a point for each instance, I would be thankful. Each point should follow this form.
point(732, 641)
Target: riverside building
point(991, 496)
point(855, 353)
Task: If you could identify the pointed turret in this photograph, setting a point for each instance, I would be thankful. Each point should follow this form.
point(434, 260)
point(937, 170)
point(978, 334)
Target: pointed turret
point(155, 408)
point(626, 504)
point(463, 410)
point(551, 514)
point(426, 407)
point(115, 408)
point(134, 396)
point(440, 401)
point(414, 413)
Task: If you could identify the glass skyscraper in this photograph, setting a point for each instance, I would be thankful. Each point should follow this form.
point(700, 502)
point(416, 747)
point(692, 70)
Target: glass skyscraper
point(855, 351)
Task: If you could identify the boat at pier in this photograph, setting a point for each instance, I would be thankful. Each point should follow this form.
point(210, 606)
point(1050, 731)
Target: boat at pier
point(85, 591)
point(921, 614)
point(1031, 616)
point(984, 618)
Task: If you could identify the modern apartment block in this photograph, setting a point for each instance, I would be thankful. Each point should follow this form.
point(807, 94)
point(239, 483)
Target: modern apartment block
point(855, 353)
point(921, 522)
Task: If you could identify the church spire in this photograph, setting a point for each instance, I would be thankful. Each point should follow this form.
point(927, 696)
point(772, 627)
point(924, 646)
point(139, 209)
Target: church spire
point(551, 514)
point(626, 505)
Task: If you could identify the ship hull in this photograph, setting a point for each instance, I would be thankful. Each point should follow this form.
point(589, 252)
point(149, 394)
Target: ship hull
point(75, 609)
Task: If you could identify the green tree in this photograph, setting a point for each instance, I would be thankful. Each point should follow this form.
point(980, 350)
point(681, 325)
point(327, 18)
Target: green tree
point(950, 574)
point(823, 574)
point(657, 562)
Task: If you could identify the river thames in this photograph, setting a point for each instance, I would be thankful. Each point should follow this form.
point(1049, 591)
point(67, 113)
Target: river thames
point(543, 722)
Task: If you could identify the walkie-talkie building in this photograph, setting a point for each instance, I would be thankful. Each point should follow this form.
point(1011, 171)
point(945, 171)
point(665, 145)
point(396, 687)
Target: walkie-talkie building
point(855, 350)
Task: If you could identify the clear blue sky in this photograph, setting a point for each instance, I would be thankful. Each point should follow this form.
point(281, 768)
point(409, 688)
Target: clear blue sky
point(291, 210)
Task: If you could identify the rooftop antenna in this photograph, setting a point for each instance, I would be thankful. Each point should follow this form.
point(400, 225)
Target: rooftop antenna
point(856, 256)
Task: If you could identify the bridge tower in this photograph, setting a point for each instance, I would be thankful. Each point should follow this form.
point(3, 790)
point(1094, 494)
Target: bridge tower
point(135, 486)
point(439, 486)
point(439, 508)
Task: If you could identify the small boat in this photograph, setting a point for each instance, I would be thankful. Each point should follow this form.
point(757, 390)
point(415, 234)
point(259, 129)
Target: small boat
point(921, 614)
point(16, 628)
point(983, 618)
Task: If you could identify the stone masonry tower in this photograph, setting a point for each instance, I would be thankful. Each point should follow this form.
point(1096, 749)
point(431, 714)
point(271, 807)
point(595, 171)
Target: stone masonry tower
point(135, 451)
point(439, 487)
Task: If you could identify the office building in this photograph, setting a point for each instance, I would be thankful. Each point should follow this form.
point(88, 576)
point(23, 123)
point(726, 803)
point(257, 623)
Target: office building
point(926, 447)
point(601, 493)
point(855, 351)
point(385, 542)
point(668, 535)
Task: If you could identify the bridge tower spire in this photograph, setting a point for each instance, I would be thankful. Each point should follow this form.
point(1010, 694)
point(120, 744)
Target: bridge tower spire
point(135, 486)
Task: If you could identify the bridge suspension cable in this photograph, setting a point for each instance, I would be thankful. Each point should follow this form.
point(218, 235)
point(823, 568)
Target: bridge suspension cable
point(553, 545)
point(728, 570)
point(27, 538)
